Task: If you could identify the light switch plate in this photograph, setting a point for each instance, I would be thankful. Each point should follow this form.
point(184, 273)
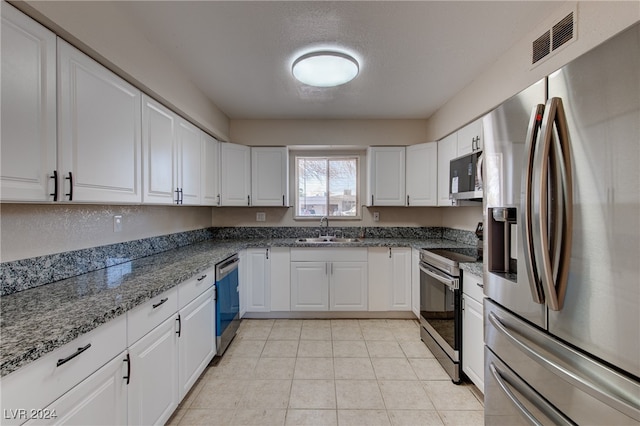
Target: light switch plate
point(261, 216)
point(376, 216)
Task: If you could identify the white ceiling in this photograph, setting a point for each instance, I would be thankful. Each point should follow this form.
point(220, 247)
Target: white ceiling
point(413, 55)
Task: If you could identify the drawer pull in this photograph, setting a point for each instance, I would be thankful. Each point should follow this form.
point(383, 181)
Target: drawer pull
point(202, 277)
point(161, 302)
point(73, 355)
point(480, 285)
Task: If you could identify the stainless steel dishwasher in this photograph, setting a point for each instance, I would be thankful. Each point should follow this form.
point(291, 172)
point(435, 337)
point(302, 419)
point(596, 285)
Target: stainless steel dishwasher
point(227, 302)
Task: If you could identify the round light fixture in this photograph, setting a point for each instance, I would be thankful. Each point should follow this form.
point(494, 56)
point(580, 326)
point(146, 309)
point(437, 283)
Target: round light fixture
point(325, 68)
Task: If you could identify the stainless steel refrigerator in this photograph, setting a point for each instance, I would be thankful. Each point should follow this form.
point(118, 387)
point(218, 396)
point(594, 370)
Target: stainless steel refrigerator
point(562, 245)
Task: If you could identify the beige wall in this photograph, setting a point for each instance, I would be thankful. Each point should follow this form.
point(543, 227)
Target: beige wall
point(597, 21)
point(328, 132)
point(278, 216)
point(28, 230)
point(108, 35)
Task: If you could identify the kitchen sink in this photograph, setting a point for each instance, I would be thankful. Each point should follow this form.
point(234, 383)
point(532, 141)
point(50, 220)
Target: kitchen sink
point(328, 239)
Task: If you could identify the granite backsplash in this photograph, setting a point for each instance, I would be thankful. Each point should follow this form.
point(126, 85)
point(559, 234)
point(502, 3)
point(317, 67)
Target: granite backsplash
point(24, 274)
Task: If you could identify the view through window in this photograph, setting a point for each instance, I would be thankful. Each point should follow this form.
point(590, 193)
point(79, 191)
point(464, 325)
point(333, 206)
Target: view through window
point(327, 186)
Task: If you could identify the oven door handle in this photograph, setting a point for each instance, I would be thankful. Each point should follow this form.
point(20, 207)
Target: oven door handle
point(450, 282)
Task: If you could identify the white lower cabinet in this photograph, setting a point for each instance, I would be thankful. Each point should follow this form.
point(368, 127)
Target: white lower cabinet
point(258, 274)
point(415, 282)
point(101, 399)
point(473, 330)
point(390, 279)
point(280, 258)
point(195, 340)
point(309, 286)
point(325, 279)
point(153, 386)
point(348, 286)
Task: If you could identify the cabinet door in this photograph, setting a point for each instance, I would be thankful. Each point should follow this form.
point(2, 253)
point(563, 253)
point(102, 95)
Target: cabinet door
point(258, 296)
point(386, 176)
point(446, 152)
point(472, 341)
point(269, 176)
point(400, 282)
point(153, 387)
point(189, 157)
point(309, 286)
point(196, 339)
point(280, 280)
point(100, 130)
point(210, 171)
point(380, 270)
point(28, 113)
point(348, 286)
point(415, 282)
point(159, 131)
point(235, 175)
point(101, 399)
point(470, 138)
point(422, 174)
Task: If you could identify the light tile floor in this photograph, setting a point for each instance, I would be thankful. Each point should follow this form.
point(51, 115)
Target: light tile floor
point(328, 372)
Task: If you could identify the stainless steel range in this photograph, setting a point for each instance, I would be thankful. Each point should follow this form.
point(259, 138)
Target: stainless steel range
point(440, 313)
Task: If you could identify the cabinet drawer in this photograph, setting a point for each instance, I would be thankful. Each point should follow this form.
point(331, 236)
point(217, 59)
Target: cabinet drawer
point(472, 286)
point(40, 383)
point(329, 254)
point(101, 396)
point(149, 315)
point(194, 287)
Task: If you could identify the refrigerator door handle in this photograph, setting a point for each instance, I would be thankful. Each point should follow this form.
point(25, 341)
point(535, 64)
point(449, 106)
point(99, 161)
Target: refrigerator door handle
point(600, 391)
point(526, 214)
point(549, 410)
point(564, 216)
point(552, 170)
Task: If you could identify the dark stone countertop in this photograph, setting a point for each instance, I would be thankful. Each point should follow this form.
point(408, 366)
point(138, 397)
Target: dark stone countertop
point(37, 321)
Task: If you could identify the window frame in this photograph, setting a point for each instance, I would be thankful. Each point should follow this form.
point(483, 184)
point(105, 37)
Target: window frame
point(328, 156)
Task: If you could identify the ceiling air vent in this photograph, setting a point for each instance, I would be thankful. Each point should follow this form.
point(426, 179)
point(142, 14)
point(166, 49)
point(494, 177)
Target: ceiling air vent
point(562, 31)
point(541, 47)
point(560, 34)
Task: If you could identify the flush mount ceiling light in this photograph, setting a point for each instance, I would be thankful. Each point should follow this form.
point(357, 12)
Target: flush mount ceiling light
point(325, 69)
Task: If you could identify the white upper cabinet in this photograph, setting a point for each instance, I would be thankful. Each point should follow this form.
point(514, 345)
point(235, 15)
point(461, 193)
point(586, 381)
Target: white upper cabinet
point(386, 176)
point(159, 129)
point(28, 148)
point(99, 125)
point(235, 175)
point(269, 176)
point(470, 138)
point(422, 174)
point(210, 170)
point(446, 152)
point(172, 156)
point(189, 157)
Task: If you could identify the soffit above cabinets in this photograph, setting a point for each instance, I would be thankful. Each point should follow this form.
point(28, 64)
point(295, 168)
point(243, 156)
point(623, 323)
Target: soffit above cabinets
point(413, 56)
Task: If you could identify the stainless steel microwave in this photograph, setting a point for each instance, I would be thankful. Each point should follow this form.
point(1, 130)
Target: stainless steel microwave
point(465, 177)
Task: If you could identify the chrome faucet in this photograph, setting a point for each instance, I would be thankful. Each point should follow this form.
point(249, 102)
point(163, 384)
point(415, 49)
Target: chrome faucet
point(326, 220)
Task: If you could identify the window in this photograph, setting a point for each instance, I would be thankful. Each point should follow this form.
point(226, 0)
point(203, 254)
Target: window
point(327, 186)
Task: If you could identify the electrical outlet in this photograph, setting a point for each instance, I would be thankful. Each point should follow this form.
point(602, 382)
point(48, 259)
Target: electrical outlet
point(261, 216)
point(117, 223)
point(376, 216)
